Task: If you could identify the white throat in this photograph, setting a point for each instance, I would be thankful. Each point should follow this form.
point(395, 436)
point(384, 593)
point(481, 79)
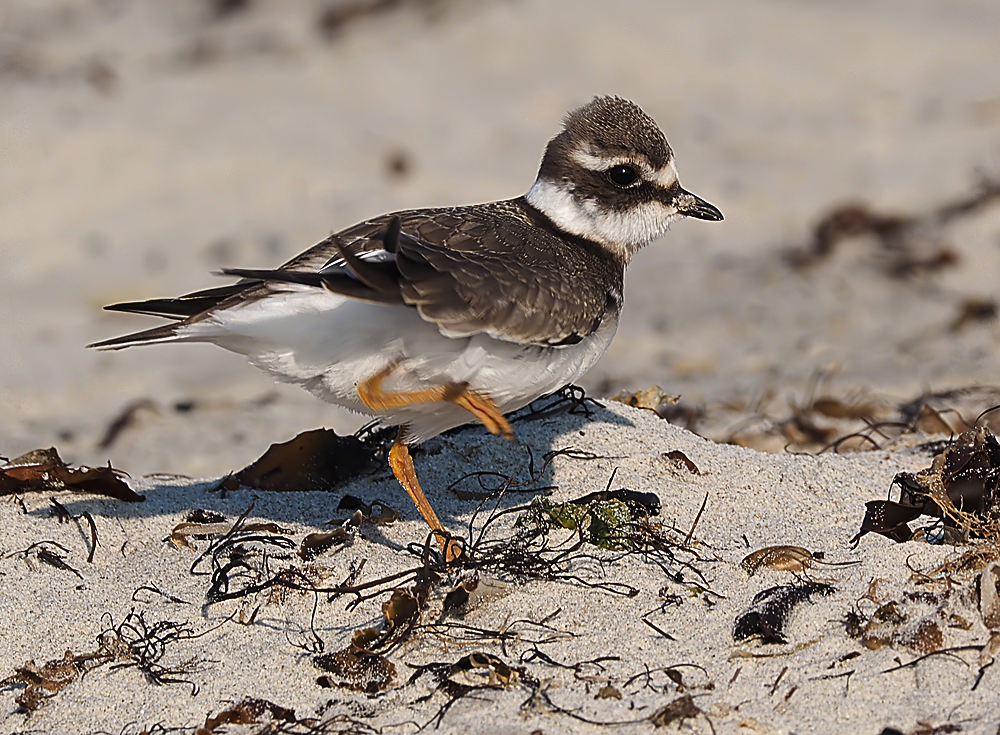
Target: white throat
point(623, 232)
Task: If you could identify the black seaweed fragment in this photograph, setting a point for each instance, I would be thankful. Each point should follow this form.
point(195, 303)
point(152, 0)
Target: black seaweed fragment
point(581, 669)
point(65, 517)
point(377, 512)
point(137, 643)
point(571, 399)
point(897, 235)
point(204, 515)
point(767, 616)
point(637, 501)
point(47, 556)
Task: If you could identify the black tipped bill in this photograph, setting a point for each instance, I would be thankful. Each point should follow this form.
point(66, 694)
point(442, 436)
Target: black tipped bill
point(691, 206)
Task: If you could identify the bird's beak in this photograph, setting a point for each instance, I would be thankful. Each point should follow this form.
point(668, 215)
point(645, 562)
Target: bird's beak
point(689, 205)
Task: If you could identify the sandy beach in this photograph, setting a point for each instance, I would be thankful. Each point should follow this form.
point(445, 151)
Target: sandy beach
point(840, 318)
point(819, 680)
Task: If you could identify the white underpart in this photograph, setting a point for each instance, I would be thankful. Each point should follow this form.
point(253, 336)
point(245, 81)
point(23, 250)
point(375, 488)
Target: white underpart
point(329, 343)
point(624, 232)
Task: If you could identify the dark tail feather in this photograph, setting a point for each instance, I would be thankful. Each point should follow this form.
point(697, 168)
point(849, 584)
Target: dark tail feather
point(361, 280)
point(304, 278)
point(166, 333)
point(181, 307)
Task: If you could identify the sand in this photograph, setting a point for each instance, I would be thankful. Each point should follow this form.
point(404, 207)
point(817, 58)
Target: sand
point(146, 145)
point(755, 498)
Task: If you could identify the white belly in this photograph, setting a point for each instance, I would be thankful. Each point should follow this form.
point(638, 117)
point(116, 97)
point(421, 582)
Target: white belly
point(329, 344)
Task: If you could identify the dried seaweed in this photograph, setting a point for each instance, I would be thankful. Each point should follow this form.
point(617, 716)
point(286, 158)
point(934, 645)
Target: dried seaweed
point(131, 643)
point(507, 484)
point(137, 643)
point(856, 423)
point(43, 471)
point(608, 691)
point(47, 556)
point(570, 399)
point(44, 682)
point(601, 523)
point(231, 556)
point(580, 669)
point(313, 460)
point(377, 512)
point(640, 504)
point(972, 311)
point(357, 669)
point(960, 488)
point(674, 679)
point(477, 672)
point(681, 709)
point(916, 620)
point(523, 631)
point(65, 517)
point(157, 591)
point(362, 665)
point(280, 720)
point(247, 712)
point(531, 552)
point(653, 399)
point(603, 518)
point(541, 697)
point(336, 18)
point(123, 421)
point(215, 524)
point(535, 547)
point(899, 235)
point(204, 515)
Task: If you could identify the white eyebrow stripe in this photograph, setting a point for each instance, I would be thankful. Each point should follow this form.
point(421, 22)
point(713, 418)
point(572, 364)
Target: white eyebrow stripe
point(592, 162)
point(667, 176)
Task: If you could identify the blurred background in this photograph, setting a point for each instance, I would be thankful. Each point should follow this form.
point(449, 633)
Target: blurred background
point(854, 147)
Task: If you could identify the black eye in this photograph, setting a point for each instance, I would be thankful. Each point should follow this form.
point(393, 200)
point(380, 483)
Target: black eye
point(622, 175)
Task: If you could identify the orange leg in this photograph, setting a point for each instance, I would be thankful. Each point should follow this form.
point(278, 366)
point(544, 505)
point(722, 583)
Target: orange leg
point(479, 405)
point(402, 467)
point(483, 408)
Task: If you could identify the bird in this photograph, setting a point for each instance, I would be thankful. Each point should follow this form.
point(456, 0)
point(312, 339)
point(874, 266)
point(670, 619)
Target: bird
point(428, 319)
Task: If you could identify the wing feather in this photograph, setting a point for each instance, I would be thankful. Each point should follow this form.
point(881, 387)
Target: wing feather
point(500, 269)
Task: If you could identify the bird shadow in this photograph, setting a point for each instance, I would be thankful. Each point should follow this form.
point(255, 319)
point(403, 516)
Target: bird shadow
point(464, 471)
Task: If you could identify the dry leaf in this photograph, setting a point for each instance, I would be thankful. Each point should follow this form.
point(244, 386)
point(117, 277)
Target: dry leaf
point(42, 470)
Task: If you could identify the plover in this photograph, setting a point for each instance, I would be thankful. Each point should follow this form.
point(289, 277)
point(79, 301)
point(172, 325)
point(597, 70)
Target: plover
point(432, 318)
